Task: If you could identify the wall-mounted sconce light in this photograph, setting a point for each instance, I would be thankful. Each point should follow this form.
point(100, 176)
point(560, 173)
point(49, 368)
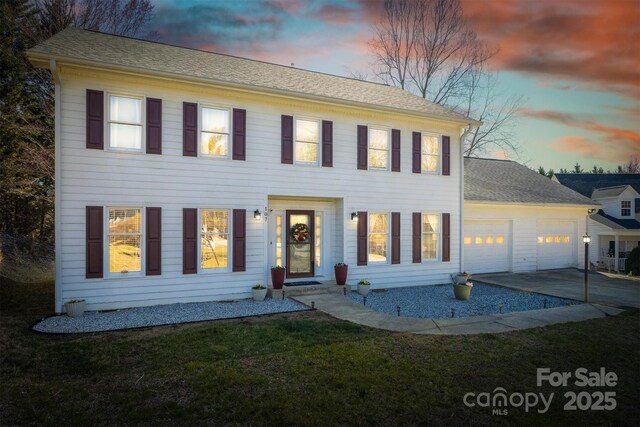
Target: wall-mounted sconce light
point(354, 216)
point(257, 215)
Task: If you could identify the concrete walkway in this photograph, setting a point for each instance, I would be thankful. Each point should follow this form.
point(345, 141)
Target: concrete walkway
point(569, 283)
point(343, 308)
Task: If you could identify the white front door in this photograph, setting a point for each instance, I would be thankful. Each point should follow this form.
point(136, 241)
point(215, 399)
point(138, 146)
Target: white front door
point(487, 246)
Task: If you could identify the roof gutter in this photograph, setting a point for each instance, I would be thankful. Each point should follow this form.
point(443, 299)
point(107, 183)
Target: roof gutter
point(547, 205)
point(42, 60)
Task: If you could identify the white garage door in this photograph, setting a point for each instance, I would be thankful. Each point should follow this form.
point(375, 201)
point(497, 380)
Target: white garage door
point(556, 244)
point(487, 246)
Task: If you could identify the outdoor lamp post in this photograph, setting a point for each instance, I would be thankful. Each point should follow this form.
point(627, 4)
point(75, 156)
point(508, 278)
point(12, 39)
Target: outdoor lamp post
point(586, 239)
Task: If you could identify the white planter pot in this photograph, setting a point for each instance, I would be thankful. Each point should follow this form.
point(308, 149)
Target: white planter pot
point(75, 309)
point(258, 294)
point(364, 289)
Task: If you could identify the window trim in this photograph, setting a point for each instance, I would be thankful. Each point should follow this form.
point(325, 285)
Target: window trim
point(438, 256)
point(438, 170)
point(386, 129)
point(118, 275)
point(142, 124)
point(229, 110)
point(623, 208)
point(220, 270)
point(318, 144)
point(388, 233)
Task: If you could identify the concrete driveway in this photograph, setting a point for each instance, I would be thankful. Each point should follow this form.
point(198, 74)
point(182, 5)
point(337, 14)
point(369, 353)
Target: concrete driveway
point(569, 283)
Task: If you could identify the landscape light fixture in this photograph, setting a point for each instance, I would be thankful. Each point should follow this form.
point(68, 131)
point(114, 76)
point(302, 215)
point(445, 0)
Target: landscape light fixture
point(586, 239)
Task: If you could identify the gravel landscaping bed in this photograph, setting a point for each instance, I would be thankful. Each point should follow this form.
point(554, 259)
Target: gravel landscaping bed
point(437, 302)
point(164, 315)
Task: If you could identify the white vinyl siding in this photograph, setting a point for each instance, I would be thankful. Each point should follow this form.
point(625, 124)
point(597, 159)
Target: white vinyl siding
point(174, 182)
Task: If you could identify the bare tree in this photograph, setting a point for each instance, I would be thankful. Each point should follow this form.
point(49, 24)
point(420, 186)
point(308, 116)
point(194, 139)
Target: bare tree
point(428, 48)
point(632, 166)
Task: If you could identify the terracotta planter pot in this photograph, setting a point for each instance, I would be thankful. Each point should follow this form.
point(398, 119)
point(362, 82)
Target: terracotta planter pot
point(277, 278)
point(341, 274)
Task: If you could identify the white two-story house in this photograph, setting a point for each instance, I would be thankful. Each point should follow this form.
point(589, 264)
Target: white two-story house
point(615, 228)
point(184, 175)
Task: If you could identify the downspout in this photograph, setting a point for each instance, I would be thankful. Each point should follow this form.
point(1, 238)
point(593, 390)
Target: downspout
point(55, 73)
point(466, 132)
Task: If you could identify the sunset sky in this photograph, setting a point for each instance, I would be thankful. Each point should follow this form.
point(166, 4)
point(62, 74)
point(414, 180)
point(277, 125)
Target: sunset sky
point(576, 62)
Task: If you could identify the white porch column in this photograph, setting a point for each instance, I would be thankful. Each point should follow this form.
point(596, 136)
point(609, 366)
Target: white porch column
point(616, 249)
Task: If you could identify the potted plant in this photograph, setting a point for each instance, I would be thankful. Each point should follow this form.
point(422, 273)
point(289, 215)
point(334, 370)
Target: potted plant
point(462, 291)
point(364, 287)
point(341, 269)
point(277, 276)
point(461, 278)
point(75, 307)
point(259, 292)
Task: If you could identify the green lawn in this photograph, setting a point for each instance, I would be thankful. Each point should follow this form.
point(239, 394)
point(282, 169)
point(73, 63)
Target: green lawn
point(295, 369)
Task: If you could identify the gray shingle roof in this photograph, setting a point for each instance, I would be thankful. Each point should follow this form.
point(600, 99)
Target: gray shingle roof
point(82, 46)
point(489, 180)
point(585, 183)
point(615, 223)
point(600, 193)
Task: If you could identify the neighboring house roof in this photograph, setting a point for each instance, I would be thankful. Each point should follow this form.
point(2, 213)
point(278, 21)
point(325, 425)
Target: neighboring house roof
point(110, 51)
point(602, 193)
point(585, 183)
point(505, 181)
point(615, 223)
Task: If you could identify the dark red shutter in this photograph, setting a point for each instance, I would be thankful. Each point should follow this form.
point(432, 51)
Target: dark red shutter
point(327, 143)
point(189, 241)
point(395, 237)
point(95, 248)
point(417, 237)
point(154, 242)
point(362, 147)
point(154, 126)
point(417, 152)
point(239, 134)
point(395, 150)
point(95, 119)
point(446, 239)
point(286, 155)
point(362, 238)
point(190, 129)
point(446, 155)
point(239, 239)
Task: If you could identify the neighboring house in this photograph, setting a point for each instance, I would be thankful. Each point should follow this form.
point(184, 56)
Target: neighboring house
point(518, 220)
point(180, 175)
point(615, 229)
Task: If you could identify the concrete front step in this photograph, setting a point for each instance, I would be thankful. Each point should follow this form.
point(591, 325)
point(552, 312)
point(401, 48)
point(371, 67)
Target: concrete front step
point(324, 288)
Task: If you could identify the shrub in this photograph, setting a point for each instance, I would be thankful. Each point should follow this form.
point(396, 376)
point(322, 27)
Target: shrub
point(633, 262)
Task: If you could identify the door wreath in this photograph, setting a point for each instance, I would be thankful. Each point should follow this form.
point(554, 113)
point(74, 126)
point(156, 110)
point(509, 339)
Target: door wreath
point(299, 233)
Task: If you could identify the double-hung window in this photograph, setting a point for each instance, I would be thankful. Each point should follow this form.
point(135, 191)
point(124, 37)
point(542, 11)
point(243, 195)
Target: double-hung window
point(214, 238)
point(125, 123)
point(431, 235)
point(625, 208)
point(378, 237)
point(430, 153)
point(307, 141)
point(214, 132)
point(125, 240)
point(378, 155)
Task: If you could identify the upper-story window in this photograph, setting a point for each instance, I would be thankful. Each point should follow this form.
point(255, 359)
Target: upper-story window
point(214, 132)
point(125, 240)
point(625, 208)
point(378, 156)
point(125, 123)
point(430, 153)
point(307, 141)
point(378, 237)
